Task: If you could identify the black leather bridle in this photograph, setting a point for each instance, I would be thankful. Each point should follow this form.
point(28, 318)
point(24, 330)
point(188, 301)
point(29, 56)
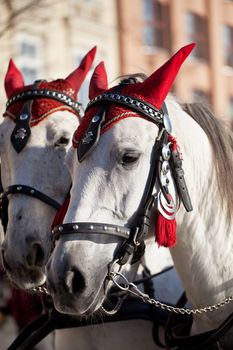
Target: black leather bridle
point(26, 190)
point(134, 235)
point(20, 137)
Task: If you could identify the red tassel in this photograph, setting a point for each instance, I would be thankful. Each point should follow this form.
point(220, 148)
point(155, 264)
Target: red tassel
point(165, 231)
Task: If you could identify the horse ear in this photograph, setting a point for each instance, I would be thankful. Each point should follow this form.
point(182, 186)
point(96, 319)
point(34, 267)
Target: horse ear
point(99, 81)
point(13, 79)
point(77, 77)
point(156, 87)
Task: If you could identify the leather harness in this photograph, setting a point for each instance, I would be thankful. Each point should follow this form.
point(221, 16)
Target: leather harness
point(20, 137)
point(133, 236)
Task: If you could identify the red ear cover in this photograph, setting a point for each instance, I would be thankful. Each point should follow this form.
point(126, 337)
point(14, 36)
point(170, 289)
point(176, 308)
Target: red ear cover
point(13, 79)
point(76, 78)
point(156, 87)
point(99, 81)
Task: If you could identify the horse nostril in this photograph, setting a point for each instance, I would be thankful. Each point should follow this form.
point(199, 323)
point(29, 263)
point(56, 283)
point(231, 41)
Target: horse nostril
point(19, 217)
point(75, 281)
point(36, 256)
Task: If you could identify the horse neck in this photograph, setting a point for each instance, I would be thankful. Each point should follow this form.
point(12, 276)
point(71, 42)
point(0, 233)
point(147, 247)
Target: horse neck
point(203, 254)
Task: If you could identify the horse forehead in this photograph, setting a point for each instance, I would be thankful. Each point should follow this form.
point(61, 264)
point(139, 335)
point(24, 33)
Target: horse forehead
point(134, 129)
point(61, 120)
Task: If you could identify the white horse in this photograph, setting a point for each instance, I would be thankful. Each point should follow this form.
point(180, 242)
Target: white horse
point(109, 177)
point(32, 168)
point(40, 165)
point(52, 115)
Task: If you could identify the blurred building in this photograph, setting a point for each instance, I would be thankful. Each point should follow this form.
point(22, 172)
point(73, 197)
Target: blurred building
point(48, 38)
point(152, 30)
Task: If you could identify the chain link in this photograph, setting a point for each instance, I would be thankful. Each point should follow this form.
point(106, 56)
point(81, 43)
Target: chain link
point(133, 289)
point(41, 289)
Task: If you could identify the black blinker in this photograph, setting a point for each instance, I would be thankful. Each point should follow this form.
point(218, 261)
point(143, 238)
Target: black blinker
point(91, 137)
point(22, 131)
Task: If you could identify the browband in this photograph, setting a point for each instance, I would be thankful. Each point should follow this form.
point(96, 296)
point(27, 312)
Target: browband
point(145, 108)
point(44, 93)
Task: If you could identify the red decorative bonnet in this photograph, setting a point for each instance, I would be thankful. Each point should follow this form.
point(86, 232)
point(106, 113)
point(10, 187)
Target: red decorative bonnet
point(141, 99)
point(153, 91)
point(42, 107)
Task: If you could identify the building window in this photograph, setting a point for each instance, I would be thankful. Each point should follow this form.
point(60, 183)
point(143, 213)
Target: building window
point(201, 97)
point(156, 29)
point(28, 49)
point(197, 31)
point(29, 52)
point(227, 34)
point(29, 74)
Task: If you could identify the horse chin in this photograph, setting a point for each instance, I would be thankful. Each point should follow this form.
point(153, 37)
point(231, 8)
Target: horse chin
point(77, 305)
point(28, 279)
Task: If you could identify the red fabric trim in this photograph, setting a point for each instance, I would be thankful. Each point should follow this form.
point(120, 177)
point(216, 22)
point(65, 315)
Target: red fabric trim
point(175, 145)
point(42, 107)
point(165, 231)
point(24, 307)
point(114, 115)
point(59, 217)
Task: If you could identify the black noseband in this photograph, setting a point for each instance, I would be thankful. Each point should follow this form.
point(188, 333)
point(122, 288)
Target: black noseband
point(26, 190)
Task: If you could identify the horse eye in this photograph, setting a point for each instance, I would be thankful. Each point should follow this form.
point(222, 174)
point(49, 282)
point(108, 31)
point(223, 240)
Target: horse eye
point(129, 158)
point(63, 141)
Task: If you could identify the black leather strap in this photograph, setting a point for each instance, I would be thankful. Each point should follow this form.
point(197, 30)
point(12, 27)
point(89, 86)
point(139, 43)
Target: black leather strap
point(26, 190)
point(203, 341)
point(178, 174)
point(45, 93)
point(30, 191)
point(91, 137)
point(90, 228)
point(145, 108)
point(28, 331)
point(133, 309)
point(22, 131)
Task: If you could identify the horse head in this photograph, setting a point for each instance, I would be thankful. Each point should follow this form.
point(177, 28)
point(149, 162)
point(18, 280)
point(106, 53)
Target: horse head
point(34, 138)
point(118, 163)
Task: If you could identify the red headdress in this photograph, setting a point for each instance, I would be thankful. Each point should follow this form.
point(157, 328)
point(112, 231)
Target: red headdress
point(144, 100)
point(67, 88)
point(153, 91)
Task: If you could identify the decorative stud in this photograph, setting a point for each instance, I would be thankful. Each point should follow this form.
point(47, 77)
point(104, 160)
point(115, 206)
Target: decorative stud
point(32, 191)
point(166, 152)
point(75, 227)
point(20, 133)
point(91, 227)
point(60, 228)
point(105, 228)
point(95, 119)
point(88, 137)
point(19, 188)
point(23, 116)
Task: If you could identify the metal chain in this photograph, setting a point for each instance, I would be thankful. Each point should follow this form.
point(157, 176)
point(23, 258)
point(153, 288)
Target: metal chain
point(114, 310)
point(131, 288)
point(41, 289)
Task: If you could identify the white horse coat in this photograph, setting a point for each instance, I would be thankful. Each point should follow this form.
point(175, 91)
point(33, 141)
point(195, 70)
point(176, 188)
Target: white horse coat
point(107, 187)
